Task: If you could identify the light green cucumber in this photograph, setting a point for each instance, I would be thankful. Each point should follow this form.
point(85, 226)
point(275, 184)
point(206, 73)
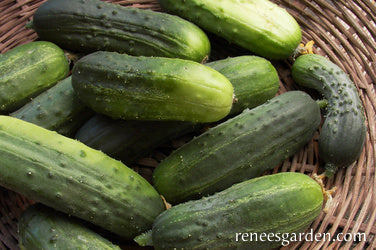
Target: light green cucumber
point(260, 26)
point(71, 177)
point(254, 79)
point(28, 70)
point(151, 88)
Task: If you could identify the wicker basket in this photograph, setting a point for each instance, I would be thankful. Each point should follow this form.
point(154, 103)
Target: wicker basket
point(345, 32)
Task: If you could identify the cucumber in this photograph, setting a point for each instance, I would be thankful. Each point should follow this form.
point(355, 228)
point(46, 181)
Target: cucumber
point(41, 227)
point(91, 25)
point(277, 204)
point(255, 80)
point(259, 25)
point(127, 140)
point(344, 131)
point(57, 108)
point(28, 70)
point(239, 149)
point(70, 177)
point(151, 88)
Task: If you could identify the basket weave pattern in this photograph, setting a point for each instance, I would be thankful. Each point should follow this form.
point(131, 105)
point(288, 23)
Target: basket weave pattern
point(342, 30)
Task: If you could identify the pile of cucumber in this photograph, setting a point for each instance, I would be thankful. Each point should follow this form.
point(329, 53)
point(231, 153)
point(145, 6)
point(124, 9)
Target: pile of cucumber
point(70, 130)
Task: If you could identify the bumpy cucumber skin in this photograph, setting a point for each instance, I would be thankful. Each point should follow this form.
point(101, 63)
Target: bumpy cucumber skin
point(260, 25)
point(129, 140)
point(41, 227)
point(57, 109)
point(70, 177)
point(28, 70)
point(240, 148)
point(92, 25)
point(255, 80)
point(279, 203)
point(343, 132)
point(151, 88)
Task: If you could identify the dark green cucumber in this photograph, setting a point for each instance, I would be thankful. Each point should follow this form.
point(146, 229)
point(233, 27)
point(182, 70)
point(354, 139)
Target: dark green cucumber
point(151, 88)
point(255, 80)
point(259, 25)
point(343, 133)
point(240, 148)
point(28, 70)
point(57, 108)
point(283, 203)
point(75, 179)
point(91, 25)
point(41, 227)
point(129, 140)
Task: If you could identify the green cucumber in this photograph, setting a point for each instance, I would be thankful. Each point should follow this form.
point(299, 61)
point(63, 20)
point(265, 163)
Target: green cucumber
point(260, 26)
point(128, 140)
point(151, 88)
point(255, 80)
point(41, 227)
point(344, 131)
point(57, 108)
point(239, 149)
point(70, 177)
point(28, 70)
point(274, 205)
point(91, 25)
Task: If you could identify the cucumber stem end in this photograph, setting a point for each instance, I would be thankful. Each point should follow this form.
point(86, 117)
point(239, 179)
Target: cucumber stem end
point(144, 239)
